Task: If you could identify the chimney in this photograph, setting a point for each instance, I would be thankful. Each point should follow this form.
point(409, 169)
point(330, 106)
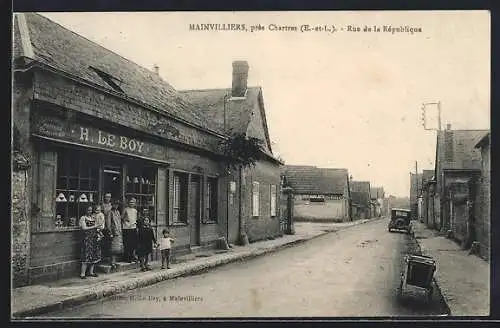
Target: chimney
point(240, 78)
point(156, 69)
point(448, 144)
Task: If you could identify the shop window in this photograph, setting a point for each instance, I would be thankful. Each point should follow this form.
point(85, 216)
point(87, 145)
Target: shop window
point(255, 198)
point(211, 203)
point(179, 214)
point(141, 185)
point(76, 188)
point(273, 200)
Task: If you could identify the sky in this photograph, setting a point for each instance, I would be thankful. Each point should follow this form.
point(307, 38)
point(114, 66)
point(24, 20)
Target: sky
point(345, 99)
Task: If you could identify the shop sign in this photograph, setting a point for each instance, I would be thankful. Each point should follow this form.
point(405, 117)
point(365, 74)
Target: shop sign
point(89, 136)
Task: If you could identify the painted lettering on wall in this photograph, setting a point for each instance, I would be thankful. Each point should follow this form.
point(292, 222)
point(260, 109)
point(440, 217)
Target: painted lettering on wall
point(112, 141)
point(85, 135)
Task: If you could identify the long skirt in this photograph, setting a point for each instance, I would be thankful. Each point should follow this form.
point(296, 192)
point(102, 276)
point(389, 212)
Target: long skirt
point(91, 247)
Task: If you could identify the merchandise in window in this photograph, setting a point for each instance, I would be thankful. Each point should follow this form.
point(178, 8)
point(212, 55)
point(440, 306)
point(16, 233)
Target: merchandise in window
point(141, 185)
point(76, 188)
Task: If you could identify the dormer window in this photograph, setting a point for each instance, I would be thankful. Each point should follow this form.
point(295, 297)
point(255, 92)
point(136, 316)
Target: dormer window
point(112, 81)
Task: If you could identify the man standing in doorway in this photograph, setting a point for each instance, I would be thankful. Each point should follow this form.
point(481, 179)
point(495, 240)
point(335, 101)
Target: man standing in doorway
point(129, 219)
point(106, 209)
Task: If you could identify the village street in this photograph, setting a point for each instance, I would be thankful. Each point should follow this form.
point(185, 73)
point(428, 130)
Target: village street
point(352, 272)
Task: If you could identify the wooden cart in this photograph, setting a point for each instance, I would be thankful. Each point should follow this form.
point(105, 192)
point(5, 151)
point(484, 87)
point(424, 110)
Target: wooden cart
point(417, 276)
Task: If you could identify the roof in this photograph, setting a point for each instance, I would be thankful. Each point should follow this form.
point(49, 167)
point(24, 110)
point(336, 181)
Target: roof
point(66, 51)
point(400, 209)
point(217, 106)
point(483, 141)
point(305, 179)
point(360, 186)
point(427, 175)
point(456, 149)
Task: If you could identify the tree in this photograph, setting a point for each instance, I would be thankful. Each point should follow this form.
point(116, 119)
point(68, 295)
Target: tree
point(241, 150)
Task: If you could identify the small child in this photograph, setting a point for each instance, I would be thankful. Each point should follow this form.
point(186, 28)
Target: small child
point(146, 238)
point(99, 221)
point(165, 244)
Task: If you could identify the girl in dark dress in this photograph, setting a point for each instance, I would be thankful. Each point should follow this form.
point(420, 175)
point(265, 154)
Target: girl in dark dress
point(146, 239)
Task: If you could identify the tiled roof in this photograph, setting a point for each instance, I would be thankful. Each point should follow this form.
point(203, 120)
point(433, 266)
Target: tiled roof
point(237, 112)
point(456, 149)
point(485, 139)
point(69, 52)
point(306, 179)
point(427, 175)
point(360, 186)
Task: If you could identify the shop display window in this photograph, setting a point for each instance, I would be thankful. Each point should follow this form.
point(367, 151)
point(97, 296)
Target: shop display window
point(141, 184)
point(211, 202)
point(76, 188)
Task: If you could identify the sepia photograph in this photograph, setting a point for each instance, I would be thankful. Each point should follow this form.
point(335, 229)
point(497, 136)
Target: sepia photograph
point(238, 165)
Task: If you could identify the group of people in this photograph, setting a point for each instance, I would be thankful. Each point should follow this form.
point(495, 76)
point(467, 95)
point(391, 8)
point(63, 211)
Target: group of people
point(108, 232)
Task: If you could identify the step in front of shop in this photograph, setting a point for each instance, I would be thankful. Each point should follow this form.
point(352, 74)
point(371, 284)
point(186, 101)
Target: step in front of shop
point(121, 266)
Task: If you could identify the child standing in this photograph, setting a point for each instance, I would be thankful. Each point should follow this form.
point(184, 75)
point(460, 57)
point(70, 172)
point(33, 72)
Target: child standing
point(165, 245)
point(100, 223)
point(146, 238)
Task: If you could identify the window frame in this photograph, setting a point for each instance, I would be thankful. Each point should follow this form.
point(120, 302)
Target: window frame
point(255, 199)
point(211, 200)
point(179, 198)
point(273, 203)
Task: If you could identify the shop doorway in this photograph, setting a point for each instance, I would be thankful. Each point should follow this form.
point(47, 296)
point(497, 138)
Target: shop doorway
point(112, 181)
point(194, 210)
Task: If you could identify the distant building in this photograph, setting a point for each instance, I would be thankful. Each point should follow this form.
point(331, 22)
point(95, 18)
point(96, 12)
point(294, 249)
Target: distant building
point(361, 199)
point(458, 166)
point(320, 193)
point(377, 200)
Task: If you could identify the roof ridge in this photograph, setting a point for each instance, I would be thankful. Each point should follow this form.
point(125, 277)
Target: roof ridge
point(213, 89)
point(101, 46)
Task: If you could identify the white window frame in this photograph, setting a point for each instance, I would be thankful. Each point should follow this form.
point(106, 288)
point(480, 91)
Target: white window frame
point(255, 198)
point(273, 197)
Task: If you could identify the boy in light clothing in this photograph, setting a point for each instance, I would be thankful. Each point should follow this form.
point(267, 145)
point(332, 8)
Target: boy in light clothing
point(165, 244)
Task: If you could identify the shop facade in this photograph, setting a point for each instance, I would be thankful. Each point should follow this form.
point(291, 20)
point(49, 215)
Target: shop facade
point(76, 158)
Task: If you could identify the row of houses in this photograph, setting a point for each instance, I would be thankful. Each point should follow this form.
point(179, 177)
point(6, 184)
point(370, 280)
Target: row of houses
point(454, 197)
point(87, 121)
point(331, 194)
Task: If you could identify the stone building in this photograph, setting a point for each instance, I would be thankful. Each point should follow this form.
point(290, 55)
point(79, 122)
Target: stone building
point(483, 199)
point(88, 121)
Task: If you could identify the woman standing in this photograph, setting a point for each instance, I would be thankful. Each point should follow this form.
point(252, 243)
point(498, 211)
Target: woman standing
point(129, 228)
point(115, 233)
point(91, 248)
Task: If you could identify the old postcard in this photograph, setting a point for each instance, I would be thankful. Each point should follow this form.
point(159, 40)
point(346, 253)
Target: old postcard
point(250, 164)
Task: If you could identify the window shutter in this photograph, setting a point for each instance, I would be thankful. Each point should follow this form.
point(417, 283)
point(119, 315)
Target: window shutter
point(161, 196)
point(273, 200)
point(47, 183)
point(255, 199)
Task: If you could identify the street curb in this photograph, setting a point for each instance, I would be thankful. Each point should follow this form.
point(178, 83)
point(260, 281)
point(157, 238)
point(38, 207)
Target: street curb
point(443, 297)
point(155, 277)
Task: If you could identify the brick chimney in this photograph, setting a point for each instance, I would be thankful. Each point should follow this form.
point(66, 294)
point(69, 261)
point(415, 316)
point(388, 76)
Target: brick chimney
point(156, 69)
point(448, 144)
point(240, 78)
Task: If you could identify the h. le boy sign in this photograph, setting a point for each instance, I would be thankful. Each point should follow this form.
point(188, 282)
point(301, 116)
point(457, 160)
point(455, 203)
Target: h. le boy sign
point(55, 128)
